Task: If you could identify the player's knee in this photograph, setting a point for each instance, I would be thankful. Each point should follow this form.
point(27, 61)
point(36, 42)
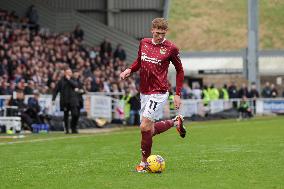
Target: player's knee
point(144, 128)
point(146, 124)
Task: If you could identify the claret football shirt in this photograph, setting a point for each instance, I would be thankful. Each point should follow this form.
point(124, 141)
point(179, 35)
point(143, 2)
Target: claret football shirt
point(153, 61)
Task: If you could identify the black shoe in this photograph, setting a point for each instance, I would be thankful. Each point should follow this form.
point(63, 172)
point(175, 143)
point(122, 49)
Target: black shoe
point(75, 132)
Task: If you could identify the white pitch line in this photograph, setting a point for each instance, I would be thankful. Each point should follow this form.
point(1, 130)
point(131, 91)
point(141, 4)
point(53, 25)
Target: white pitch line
point(65, 137)
point(44, 139)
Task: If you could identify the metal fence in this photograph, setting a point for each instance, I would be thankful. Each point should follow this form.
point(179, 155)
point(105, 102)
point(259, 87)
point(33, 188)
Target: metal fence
point(110, 106)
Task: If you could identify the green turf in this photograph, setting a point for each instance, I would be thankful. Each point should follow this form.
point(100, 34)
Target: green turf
point(217, 154)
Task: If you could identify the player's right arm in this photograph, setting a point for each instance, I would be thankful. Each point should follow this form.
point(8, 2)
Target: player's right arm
point(134, 67)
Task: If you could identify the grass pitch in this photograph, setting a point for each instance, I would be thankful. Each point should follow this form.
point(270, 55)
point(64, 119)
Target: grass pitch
point(217, 154)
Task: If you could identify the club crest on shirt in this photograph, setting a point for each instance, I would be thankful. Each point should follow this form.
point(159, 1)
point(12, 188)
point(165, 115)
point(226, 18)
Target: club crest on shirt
point(163, 50)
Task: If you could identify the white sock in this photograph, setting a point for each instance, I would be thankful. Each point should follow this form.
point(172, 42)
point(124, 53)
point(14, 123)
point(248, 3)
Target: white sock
point(142, 164)
point(175, 123)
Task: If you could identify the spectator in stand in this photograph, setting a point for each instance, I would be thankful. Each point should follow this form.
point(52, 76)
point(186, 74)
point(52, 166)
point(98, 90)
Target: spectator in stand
point(253, 94)
point(30, 88)
point(243, 91)
point(41, 57)
point(266, 91)
point(119, 53)
point(21, 85)
point(213, 92)
point(93, 52)
point(134, 109)
point(224, 93)
point(4, 88)
point(51, 88)
point(274, 92)
point(96, 85)
point(3, 64)
point(115, 90)
point(33, 17)
point(106, 48)
point(186, 91)
point(205, 95)
point(11, 88)
point(78, 33)
point(196, 91)
point(233, 91)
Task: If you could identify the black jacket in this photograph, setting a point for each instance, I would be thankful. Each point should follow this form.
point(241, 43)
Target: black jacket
point(80, 93)
point(253, 94)
point(68, 96)
point(135, 102)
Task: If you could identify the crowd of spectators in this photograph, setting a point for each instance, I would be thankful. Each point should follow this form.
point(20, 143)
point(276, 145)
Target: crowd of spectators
point(32, 58)
point(232, 91)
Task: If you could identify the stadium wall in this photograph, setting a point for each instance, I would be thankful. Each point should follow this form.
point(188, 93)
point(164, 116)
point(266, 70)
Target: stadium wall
point(270, 62)
point(75, 4)
point(100, 4)
point(129, 16)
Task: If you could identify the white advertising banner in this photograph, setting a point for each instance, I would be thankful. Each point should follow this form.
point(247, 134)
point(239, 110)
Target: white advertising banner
point(46, 106)
point(216, 106)
point(101, 107)
point(273, 106)
point(45, 102)
point(189, 107)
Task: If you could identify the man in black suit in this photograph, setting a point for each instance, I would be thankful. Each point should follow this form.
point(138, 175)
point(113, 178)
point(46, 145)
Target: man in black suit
point(68, 99)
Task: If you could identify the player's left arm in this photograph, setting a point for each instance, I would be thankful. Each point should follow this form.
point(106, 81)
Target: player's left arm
point(175, 59)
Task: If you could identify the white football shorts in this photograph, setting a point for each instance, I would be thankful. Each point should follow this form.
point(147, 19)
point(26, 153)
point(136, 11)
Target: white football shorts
point(152, 105)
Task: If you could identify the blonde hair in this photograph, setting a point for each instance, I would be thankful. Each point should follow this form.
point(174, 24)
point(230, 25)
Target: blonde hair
point(160, 23)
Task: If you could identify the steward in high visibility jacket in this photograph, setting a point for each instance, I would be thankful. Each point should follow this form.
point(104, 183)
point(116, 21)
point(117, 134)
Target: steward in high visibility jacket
point(171, 101)
point(126, 98)
point(224, 93)
point(205, 95)
point(213, 93)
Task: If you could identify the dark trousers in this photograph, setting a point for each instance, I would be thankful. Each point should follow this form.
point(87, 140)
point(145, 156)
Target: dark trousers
point(26, 118)
point(75, 113)
point(245, 112)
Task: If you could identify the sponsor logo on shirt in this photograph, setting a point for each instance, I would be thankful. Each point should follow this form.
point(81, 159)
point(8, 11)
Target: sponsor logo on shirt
point(163, 50)
point(144, 57)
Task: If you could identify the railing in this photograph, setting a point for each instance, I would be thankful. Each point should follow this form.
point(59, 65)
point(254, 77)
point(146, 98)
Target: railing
point(104, 105)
